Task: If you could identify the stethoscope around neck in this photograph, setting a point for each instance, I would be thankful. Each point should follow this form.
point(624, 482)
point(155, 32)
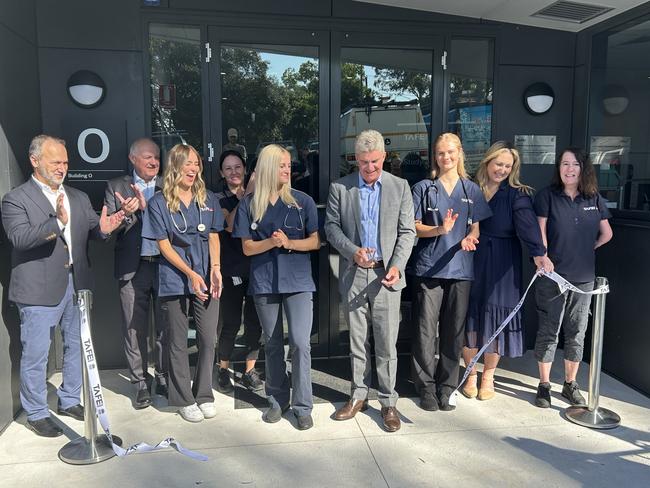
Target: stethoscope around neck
point(201, 227)
point(301, 225)
point(435, 210)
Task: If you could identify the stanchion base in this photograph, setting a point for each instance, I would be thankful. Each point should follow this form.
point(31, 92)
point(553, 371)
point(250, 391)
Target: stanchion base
point(599, 418)
point(82, 451)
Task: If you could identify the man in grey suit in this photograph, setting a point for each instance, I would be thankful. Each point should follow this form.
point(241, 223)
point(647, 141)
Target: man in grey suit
point(136, 268)
point(370, 222)
point(49, 225)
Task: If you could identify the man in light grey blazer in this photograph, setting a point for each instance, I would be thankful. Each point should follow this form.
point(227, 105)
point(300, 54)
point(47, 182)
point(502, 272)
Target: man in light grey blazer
point(370, 223)
point(136, 268)
point(49, 225)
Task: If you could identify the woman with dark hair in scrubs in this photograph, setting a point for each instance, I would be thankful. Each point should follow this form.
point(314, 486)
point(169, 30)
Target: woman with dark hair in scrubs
point(278, 227)
point(235, 270)
point(448, 208)
point(185, 219)
point(497, 288)
point(573, 219)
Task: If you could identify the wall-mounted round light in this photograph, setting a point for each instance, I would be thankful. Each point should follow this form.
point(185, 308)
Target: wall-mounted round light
point(86, 89)
point(538, 98)
point(615, 99)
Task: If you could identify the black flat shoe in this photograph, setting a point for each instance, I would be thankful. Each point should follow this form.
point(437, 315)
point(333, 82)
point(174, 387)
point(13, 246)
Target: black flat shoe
point(75, 411)
point(142, 399)
point(162, 390)
point(45, 427)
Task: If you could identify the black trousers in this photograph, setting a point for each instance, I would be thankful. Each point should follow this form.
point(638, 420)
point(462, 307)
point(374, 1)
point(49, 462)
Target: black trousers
point(185, 389)
point(440, 309)
point(232, 298)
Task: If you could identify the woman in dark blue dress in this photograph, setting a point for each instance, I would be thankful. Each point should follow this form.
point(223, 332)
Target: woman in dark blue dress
point(497, 265)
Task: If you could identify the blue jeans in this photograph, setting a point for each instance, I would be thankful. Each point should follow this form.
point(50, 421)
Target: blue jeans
point(37, 325)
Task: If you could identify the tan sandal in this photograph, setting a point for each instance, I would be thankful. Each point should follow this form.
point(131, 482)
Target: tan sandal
point(470, 390)
point(486, 393)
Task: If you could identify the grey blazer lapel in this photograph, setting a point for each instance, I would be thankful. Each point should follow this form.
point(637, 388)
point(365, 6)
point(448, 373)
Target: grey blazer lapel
point(356, 209)
point(34, 192)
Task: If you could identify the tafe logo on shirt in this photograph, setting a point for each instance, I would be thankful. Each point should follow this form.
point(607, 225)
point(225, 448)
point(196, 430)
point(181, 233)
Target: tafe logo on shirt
point(586, 209)
point(467, 200)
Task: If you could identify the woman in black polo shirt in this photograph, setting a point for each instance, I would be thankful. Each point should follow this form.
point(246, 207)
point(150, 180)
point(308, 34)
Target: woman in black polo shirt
point(573, 219)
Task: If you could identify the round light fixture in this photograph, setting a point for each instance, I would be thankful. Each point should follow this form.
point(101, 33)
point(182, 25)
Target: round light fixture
point(86, 89)
point(538, 98)
point(615, 99)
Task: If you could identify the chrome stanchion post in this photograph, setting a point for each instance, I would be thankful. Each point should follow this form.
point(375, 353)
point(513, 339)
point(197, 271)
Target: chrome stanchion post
point(593, 415)
point(91, 448)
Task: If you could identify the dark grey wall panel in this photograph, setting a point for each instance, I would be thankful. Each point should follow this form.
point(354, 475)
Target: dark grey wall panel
point(580, 106)
point(512, 117)
point(19, 121)
point(19, 18)
point(365, 11)
point(277, 7)
point(89, 25)
point(625, 261)
point(533, 46)
point(19, 92)
point(106, 314)
point(120, 116)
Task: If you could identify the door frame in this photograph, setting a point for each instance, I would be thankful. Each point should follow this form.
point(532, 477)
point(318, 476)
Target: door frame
point(362, 39)
point(219, 35)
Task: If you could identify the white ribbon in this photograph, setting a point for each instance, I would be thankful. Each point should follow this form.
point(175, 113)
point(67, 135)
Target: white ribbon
point(100, 407)
point(562, 284)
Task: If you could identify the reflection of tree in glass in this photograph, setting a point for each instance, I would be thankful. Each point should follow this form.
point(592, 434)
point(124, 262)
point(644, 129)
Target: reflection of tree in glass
point(465, 92)
point(300, 94)
point(354, 87)
point(252, 101)
point(179, 64)
point(401, 82)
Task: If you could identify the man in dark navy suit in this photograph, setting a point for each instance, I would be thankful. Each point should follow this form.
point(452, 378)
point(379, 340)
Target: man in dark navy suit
point(49, 225)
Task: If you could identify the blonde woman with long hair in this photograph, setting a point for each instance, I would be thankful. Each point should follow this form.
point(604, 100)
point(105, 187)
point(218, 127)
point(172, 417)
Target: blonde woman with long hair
point(278, 227)
point(185, 220)
point(448, 208)
point(497, 285)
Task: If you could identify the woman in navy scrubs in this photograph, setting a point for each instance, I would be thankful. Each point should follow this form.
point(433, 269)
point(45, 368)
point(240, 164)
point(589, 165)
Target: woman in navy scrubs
point(497, 265)
point(448, 208)
point(185, 219)
point(235, 269)
point(278, 227)
point(573, 220)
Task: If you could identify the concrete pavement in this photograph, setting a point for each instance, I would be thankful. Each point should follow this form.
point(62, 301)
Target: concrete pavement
point(506, 441)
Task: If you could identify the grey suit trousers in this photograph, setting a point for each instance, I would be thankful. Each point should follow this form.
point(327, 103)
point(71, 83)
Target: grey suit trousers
point(370, 305)
point(136, 297)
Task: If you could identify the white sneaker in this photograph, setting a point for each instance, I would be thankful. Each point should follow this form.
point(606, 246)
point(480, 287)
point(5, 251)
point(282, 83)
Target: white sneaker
point(191, 413)
point(208, 409)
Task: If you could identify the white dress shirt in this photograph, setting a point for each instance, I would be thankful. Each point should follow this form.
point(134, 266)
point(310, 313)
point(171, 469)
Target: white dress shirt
point(51, 196)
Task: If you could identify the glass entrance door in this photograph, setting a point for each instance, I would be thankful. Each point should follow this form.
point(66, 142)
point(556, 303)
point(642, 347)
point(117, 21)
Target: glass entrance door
point(393, 85)
point(266, 87)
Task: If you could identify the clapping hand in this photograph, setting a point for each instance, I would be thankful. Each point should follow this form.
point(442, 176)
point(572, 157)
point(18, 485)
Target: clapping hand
point(280, 239)
point(61, 212)
point(108, 223)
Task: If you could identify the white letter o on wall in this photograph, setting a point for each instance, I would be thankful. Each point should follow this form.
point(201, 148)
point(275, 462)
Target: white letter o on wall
point(81, 145)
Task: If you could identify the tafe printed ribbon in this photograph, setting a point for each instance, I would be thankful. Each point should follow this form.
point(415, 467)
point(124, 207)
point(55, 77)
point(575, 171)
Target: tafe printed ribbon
point(100, 406)
point(562, 284)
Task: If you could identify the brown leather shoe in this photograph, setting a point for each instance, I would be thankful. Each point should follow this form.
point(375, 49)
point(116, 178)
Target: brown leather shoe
point(391, 419)
point(350, 409)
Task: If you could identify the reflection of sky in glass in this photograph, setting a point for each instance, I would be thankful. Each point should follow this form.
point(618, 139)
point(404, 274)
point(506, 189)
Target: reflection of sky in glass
point(278, 63)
